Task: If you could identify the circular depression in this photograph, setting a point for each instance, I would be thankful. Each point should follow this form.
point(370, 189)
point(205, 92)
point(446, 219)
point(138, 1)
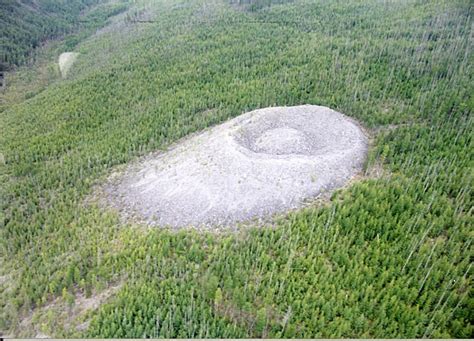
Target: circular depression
point(260, 163)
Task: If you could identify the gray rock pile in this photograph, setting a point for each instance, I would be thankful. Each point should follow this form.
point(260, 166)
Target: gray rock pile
point(260, 163)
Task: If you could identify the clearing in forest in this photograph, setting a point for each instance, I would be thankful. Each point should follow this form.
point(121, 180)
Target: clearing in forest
point(260, 163)
point(65, 62)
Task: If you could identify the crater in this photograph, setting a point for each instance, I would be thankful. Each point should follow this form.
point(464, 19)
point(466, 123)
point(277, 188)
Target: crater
point(281, 141)
point(260, 163)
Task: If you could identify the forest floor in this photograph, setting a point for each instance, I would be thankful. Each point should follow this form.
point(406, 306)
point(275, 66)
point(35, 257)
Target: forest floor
point(264, 162)
point(60, 315)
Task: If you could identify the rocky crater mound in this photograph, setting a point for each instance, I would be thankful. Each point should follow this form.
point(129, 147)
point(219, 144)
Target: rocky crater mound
point(65, 62)
point(260, 163)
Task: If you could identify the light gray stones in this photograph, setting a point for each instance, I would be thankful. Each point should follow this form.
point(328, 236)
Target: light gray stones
point(260, 163)
point(65, 62)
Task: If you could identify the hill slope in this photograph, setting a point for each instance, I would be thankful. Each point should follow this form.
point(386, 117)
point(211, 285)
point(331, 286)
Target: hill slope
point(25, 24)
point(389, 256)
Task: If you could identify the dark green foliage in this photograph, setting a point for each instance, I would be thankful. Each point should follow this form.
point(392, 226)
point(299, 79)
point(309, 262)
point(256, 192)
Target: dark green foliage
point(254, 5)
point(390, 256)
point(25, 24)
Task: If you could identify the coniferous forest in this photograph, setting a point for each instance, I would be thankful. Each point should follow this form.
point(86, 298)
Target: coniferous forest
point(26, 24)
point(387, 256)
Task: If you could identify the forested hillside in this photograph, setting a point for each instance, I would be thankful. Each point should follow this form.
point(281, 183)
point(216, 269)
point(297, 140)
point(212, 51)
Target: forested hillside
point(388, 256)
point(25, 24)
point(254, 5)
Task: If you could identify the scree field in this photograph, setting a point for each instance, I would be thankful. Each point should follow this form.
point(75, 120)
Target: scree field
point(388, 255)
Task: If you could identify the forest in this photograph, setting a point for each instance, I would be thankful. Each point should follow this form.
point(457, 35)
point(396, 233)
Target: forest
point(26, 25)
point(388, 256)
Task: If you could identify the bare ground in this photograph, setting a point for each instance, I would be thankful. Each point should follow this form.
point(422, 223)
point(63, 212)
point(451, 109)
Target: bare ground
point(59, 317)
point(65, 62)
point(262, 163)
